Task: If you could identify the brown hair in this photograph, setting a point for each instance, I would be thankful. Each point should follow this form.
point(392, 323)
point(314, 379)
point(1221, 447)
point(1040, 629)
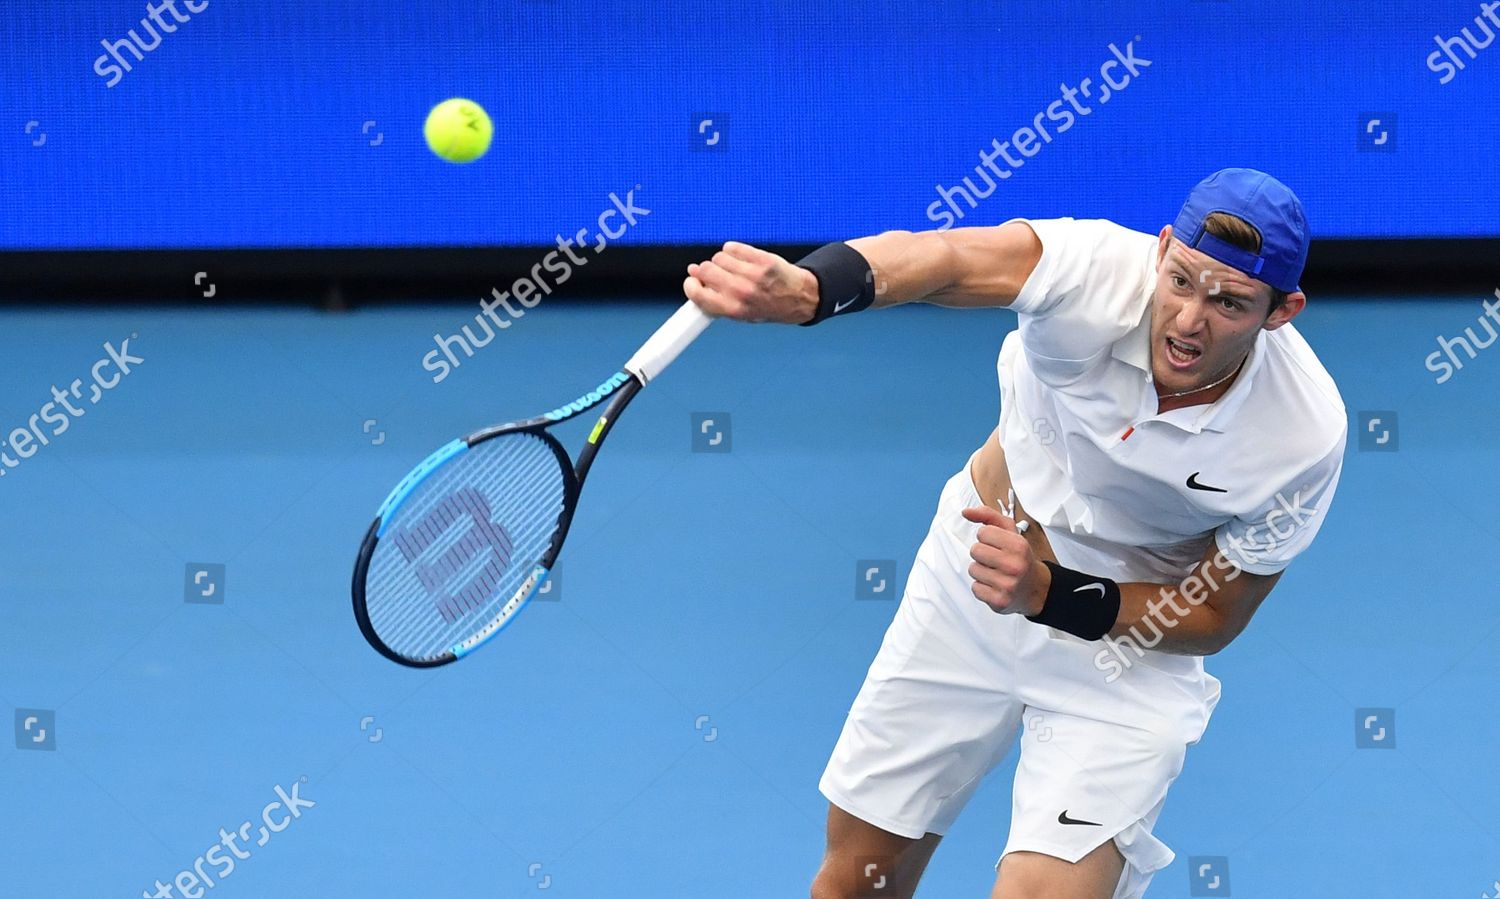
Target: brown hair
point(1235, 231)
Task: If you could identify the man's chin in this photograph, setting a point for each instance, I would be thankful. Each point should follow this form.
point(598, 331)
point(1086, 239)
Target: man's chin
point(1173, 382)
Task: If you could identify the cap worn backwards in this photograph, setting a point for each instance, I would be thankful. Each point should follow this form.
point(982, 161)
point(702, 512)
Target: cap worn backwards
point(1268, 206)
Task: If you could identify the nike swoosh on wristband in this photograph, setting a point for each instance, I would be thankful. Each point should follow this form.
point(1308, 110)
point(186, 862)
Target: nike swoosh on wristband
point(1192, 482)
point(840, 307)
point(1064, 819)
point(1094, 586)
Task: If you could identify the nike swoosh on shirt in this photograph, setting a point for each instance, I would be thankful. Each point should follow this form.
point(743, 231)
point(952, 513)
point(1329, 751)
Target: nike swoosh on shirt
point(1064, 819)
point(1192, 482)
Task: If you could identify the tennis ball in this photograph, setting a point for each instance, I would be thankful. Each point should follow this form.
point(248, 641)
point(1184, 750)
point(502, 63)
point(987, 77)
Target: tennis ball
point(458, 130)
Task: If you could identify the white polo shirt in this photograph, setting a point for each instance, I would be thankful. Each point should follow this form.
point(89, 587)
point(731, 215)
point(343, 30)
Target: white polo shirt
point(1126, 492)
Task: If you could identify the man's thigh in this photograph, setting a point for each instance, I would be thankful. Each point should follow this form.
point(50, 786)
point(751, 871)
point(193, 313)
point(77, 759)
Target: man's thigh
point(1090, 791)
point(1032, 875)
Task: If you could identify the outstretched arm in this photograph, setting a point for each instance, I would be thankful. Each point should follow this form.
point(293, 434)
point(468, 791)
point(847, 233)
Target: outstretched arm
point(965, 267)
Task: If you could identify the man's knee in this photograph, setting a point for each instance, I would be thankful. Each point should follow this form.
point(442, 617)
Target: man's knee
point(845, 875)
point(864, 860)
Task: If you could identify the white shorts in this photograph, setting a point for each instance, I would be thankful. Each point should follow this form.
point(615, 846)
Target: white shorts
point(955, 683)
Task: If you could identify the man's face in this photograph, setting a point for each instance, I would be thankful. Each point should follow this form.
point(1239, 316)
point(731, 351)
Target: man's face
point(1204, 316)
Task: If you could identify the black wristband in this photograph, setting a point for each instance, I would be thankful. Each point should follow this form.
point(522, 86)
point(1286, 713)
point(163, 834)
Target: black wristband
point(845, 281)
point(1081, 604)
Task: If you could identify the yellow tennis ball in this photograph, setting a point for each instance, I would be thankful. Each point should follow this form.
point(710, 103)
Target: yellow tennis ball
point(458, 130)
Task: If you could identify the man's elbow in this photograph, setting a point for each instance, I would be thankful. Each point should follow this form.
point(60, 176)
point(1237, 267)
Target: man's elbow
point(1214, 644)
point(1223, 633)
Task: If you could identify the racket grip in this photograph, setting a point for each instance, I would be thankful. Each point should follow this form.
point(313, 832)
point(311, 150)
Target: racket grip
point(670, 339)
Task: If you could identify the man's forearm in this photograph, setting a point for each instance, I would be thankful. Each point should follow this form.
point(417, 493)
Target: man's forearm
point(1182, 618)
point(1156, 616)
point(907, 265)
point(959, 267)
point(966, 267)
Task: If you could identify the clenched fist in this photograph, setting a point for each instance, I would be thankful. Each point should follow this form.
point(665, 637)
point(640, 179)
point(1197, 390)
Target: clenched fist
point(752, 285)
point(1007, 575)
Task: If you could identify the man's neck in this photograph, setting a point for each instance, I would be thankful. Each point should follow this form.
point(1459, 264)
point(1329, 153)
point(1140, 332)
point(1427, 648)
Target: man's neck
point(1169, 400)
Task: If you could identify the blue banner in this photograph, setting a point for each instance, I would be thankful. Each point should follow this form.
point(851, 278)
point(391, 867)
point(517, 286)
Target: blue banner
point(227, 123)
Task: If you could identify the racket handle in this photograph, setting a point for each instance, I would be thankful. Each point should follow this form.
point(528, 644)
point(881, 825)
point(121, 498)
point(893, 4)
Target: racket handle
point(670, 339)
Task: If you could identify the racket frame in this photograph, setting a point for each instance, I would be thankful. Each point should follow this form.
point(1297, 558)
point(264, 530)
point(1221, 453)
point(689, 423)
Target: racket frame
point(658, 352)
point(618, 391)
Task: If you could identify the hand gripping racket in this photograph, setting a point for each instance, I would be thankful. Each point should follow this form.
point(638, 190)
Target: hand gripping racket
point(463, 542)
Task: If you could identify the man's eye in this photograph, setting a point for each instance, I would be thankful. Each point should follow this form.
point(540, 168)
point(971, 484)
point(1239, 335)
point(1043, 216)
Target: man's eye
point(1179, 281)
point(1230, 304)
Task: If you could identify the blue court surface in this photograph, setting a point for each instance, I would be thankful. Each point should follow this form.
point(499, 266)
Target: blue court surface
point(177, 639)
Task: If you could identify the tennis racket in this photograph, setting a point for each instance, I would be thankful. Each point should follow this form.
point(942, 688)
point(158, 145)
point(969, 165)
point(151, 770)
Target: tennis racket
point(464, 541)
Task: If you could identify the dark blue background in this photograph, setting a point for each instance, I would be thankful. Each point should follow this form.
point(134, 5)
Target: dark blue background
point(244, 128)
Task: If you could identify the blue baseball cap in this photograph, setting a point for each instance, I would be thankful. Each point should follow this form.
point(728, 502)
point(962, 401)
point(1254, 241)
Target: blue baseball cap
point(1268, 205)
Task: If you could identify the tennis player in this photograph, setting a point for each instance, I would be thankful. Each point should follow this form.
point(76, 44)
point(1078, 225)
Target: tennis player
point(1167, 444)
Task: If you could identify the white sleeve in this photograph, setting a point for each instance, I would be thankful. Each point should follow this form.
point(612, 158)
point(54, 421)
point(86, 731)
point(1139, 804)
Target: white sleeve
point(1090, 288)
point(1266, 540)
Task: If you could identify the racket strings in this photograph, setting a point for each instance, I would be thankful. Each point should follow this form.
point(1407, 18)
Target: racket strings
point(453, 588)
point(460, 547)
point(468, 572)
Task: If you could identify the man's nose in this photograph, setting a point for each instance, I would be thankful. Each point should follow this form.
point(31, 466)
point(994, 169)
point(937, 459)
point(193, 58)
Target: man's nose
point(1190, 317)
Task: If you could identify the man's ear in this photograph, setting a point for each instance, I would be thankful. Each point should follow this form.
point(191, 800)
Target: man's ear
point(1163, 241)
point(1295, 303)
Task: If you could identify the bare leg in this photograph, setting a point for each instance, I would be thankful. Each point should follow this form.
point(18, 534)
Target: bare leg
point(1032, 875)
point(864, 860)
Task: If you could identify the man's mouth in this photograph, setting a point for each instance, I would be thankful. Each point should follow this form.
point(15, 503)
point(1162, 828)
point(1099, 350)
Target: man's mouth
point(1182, 355)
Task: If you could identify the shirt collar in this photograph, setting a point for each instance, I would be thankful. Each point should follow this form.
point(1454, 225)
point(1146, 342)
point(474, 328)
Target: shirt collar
point(1135, 347)
point(1217, 415)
